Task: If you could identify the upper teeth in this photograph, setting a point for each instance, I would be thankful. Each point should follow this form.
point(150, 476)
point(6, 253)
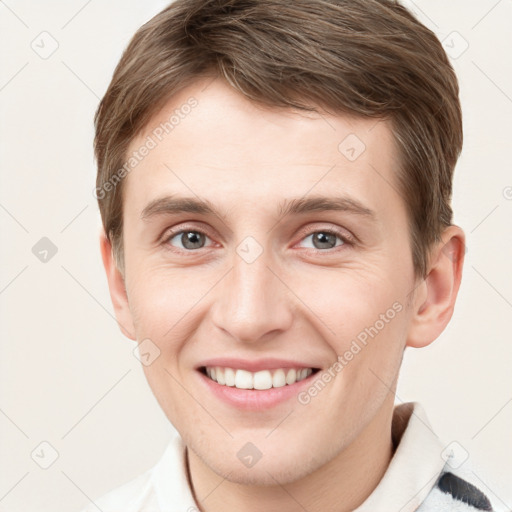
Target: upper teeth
point(264, 379)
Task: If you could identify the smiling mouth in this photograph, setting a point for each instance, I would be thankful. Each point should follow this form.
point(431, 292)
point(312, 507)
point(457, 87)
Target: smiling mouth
point(261, 380)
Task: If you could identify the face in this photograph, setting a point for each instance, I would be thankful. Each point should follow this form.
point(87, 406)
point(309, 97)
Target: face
point(275, 244)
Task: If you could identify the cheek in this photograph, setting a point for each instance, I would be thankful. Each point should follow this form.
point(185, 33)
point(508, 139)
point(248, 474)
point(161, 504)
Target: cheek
point(161, 300)
point(370, 350)
point(347, 301)
point(367, 319)
point(371, 355)
point(168, 307)
point(152, 308)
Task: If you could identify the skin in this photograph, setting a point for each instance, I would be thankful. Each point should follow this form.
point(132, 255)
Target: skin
point(298, 300)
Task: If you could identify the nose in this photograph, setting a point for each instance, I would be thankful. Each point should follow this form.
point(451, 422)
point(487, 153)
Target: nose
point(252, 302)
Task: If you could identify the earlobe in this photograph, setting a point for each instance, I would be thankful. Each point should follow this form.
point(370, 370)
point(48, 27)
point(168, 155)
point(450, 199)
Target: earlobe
point(435, 299)
point(117, 288)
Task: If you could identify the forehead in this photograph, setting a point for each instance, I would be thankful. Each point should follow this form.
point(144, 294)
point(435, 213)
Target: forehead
point(212, 142)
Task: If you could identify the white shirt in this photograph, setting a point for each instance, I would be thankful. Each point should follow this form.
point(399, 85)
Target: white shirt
point(411, 482)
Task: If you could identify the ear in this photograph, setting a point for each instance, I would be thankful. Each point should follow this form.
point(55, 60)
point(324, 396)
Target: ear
point(117, 288)
point(434, 298)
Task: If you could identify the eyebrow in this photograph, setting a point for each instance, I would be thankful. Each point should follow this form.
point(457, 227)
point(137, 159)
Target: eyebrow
point(171, 204)
point(174, 205)
point(322, 203)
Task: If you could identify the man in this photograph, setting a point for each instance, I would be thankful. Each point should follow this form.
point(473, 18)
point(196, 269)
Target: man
point(274, 180)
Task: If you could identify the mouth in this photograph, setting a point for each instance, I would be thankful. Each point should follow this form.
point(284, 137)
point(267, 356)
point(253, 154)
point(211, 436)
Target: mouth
point(252, 384)
point(257, 381)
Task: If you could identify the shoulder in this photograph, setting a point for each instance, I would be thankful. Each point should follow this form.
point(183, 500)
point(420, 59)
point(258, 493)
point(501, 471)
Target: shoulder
point(427, 473)
point(129, 497)
point(159, 488)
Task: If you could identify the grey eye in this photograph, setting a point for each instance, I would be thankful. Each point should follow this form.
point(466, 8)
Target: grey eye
point(190, 239)
point(324, 240)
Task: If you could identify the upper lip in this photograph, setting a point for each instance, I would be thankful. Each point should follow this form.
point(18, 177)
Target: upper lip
point(254, 365)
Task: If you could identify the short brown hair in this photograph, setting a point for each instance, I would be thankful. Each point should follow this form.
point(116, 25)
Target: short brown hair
point(369, 58)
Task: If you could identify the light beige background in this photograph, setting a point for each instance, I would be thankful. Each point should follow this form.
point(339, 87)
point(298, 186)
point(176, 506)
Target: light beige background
point(69, 378)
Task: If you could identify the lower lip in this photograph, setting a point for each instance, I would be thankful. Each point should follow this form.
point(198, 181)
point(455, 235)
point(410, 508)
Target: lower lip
point(255, 399)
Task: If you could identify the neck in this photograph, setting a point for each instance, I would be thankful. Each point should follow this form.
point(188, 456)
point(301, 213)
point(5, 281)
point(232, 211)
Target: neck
point(342, 484)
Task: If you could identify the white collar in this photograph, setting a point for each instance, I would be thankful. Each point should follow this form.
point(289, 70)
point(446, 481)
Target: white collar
point(170, 479)
point(412, 472)
point(415, 466)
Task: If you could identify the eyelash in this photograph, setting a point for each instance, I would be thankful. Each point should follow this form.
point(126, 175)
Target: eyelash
point(346, 239)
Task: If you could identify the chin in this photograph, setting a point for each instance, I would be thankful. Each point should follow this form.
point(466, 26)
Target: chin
point(270, 470)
